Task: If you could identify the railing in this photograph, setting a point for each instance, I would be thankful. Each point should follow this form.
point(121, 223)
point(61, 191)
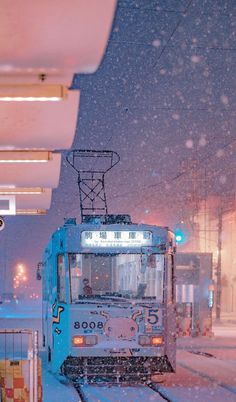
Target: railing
point(20, 370)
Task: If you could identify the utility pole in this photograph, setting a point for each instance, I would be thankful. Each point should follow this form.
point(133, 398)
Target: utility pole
point(218, 270)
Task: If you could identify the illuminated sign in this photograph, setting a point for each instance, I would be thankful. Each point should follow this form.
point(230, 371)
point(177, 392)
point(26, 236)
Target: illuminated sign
point(109, 238)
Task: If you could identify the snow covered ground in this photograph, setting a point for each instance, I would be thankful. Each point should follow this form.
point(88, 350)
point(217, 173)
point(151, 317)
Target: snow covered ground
point(56, 391)
point(138, 393)
point(206, 367)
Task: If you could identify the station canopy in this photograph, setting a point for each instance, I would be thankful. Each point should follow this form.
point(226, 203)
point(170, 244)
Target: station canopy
point(38, 125)
point(42, 45)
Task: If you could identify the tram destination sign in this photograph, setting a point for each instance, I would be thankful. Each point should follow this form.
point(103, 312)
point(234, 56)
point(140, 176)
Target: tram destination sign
point(116, 238)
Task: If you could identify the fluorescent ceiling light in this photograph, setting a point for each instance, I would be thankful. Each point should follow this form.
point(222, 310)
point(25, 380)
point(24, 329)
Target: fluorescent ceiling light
point(25, 156)
point(15, 191)
point(32, 92)
point(31, 212)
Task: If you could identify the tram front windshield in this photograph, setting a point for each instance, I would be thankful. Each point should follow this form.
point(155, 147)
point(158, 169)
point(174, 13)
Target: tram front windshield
point(121, 276)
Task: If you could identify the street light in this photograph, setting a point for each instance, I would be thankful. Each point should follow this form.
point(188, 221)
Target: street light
point(20, 278)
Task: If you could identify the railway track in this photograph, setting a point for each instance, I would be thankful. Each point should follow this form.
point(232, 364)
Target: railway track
point(193, 381)
point(140, 393)
point(120, 393)
point(212, 376)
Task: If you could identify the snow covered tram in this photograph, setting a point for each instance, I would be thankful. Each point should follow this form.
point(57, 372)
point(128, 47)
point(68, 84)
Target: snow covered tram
point(108, 299)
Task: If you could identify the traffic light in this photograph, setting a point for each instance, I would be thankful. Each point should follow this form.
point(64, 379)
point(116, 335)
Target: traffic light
point(180, 235)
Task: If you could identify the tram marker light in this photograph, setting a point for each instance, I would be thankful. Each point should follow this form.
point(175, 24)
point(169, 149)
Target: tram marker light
point(150, 340)
point(91, 340)
point(144, 340)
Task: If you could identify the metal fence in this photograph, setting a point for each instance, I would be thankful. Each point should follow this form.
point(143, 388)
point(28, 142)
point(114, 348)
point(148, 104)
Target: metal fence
point(20, 366)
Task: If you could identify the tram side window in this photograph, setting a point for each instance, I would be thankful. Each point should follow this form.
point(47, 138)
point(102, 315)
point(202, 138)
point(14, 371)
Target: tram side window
point(46, 288)
point(75, 264)
point(61, 278)
point(46, 276)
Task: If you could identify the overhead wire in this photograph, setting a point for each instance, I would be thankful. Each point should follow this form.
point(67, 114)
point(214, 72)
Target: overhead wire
point(179, 22)
point(180, 174)
point(183, 14)
point(170, 180)
point(163, 10)
point(186, 45)
point(164, 47)
point(208, 109)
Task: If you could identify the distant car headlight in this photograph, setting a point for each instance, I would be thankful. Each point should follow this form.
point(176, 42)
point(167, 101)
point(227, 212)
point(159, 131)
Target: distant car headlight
point(84, 340)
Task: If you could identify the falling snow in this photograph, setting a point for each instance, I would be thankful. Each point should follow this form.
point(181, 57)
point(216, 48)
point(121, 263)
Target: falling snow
point(163, 98)
point(189, 144)
point(156, 43)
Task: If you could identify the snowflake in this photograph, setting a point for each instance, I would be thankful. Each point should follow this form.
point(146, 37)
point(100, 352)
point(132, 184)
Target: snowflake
point(202, 142)
point(189, 144)
point(224, 99)
point(220, 153)
point(156, 43)
point(195, 59)
point(162, 71)
point(222, 179)
point(175, 116)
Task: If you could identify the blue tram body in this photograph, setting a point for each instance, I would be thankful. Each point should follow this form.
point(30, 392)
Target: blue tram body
point(108, 300)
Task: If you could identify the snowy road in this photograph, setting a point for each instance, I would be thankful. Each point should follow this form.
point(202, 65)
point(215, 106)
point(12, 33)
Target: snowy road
point(206, 372)
point(207, 375)
point(199, 378)
point(206, 369)
point(117, 393)
point(192, 382)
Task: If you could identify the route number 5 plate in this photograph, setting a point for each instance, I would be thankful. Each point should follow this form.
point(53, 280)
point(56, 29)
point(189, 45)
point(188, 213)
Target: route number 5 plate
point(153, 318)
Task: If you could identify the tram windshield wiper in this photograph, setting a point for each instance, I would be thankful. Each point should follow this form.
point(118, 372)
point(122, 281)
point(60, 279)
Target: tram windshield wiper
point(107, 296)
point(115, 298)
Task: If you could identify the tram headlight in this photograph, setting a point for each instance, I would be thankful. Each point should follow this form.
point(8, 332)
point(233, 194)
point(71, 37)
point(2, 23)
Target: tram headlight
point(84, 340)
point(150, 340)
point(78, 341)
point(156, 340)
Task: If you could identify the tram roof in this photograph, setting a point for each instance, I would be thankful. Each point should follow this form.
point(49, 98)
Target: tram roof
point(109, 225)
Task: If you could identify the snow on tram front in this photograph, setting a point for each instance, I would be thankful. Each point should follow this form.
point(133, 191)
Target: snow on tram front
point(108, 300)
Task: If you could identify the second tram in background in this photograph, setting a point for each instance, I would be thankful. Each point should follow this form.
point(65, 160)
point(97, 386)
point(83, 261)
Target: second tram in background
point(109, 299)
